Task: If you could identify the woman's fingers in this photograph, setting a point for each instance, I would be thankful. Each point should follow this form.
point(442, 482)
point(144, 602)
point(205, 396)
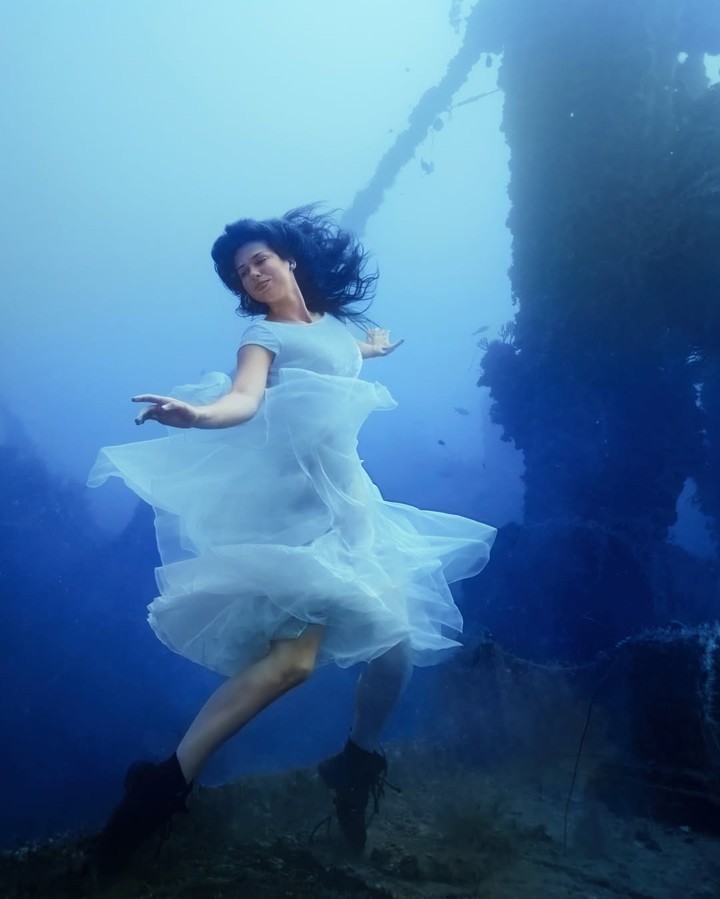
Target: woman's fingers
point(150, 413)
point(164, 409)
point(393, 346)
point(379, 337)
point(151, 398)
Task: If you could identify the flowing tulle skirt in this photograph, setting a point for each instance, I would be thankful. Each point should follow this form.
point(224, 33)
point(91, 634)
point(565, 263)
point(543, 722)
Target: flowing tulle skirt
point(274, 524)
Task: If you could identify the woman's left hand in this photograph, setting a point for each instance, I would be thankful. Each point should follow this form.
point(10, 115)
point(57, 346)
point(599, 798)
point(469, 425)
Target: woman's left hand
point(378, 339)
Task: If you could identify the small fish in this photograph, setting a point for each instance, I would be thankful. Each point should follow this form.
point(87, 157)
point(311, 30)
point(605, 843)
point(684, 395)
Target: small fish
point(442, 443)
point(461, 410)
point(481, 330)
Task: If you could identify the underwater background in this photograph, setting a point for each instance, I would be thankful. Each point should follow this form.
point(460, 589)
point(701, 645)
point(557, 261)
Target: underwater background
point(539, 185)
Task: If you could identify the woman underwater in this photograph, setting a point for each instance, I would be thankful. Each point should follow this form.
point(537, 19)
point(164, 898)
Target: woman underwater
point(278, 552)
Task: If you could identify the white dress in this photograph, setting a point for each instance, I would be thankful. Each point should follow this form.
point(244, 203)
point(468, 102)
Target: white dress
point(274, 524)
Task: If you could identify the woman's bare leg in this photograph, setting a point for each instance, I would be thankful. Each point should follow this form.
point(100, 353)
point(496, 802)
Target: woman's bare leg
point(287, 664)
point(358, 770)
point(378, 690)
point(154, 792)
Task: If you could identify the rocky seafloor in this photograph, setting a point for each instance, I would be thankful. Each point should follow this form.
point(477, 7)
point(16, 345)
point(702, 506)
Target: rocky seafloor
point(454, 831)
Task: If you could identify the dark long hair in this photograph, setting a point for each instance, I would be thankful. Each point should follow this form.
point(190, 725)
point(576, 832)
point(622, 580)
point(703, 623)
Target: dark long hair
point(330, 262)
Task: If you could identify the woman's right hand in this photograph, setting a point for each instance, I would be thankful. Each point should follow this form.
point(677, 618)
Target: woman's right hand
point(166, 410)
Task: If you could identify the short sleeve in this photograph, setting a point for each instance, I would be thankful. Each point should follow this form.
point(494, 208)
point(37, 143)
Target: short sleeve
point(260, 335)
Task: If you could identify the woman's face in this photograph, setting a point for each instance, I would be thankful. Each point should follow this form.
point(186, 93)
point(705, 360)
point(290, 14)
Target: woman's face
point(265, 276)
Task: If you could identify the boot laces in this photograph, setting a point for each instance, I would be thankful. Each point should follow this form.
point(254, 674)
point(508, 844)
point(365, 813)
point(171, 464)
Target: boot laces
point(376, 789)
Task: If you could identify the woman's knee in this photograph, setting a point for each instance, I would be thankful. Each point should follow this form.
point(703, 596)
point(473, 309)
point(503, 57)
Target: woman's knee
point(296, 671)
point(294, 661)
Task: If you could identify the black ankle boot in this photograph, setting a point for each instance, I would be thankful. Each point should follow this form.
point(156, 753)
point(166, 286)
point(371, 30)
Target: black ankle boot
point(354, 774)
point(154, 792)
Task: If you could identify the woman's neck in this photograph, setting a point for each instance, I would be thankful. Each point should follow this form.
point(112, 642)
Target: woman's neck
point(296, 315)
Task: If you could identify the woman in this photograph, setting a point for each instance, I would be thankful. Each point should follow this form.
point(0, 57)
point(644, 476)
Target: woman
point(278, 552)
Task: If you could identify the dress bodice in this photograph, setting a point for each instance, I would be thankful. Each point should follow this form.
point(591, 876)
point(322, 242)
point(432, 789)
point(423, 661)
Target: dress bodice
point(325, 346)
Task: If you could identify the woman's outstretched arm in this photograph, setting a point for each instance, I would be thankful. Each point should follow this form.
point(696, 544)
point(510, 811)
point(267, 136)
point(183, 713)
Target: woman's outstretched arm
point(237, 406)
